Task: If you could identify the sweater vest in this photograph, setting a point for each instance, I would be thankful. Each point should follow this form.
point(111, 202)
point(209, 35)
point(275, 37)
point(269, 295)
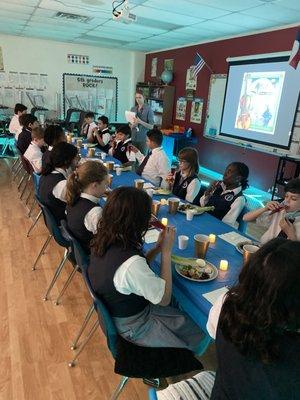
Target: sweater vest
point(120, 151)
point(46, 186)
point(222, 202)
point(180, 189)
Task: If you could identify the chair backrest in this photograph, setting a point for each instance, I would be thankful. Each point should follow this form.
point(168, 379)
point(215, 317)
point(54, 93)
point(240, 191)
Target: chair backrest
point(36, 181)
point(152, 394)
point(242, 224)
point(52, 226)
point(27, 165)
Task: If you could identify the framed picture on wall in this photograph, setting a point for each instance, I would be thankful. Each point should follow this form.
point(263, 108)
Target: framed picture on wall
point(181, 108)
point(169, 64)
point(191, 79)
point(196, 111)
point(153, 67)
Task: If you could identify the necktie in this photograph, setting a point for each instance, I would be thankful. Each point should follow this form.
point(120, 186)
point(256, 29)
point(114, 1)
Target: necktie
point(140, 169)
point(87, 129)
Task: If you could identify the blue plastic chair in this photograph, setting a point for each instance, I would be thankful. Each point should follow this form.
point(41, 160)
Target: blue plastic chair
point(242, 224)
point(152, 394)
point(36, 181)
point(54, 232)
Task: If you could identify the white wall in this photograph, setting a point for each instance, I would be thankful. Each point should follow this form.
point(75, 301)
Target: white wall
point(22, 54)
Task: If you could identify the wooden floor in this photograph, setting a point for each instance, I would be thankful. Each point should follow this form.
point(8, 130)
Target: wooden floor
point(35, 336)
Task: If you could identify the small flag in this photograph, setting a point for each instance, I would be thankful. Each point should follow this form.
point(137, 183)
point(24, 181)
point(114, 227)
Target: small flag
point(295, 53)
point(198, 64)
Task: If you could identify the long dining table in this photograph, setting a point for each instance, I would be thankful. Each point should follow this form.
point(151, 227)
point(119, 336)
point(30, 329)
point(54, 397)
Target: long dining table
point(189, 294)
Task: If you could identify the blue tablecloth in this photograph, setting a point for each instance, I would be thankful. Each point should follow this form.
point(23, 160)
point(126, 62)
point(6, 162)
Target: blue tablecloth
point(188, 293)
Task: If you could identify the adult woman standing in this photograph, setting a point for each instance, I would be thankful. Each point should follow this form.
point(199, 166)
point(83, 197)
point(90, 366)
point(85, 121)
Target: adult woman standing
point(143, 122)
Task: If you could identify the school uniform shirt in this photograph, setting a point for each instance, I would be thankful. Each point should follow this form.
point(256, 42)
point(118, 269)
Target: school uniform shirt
point(24, 140)
point(236, 207)
point(272, 223)
point(241, 377)
point(105, 136)
point(156, 168)
point(144, 114)
point(46, 156)
point(185, 187)
point(34, 155)
point(87, 129)
point(14, 126)
point(121, 151)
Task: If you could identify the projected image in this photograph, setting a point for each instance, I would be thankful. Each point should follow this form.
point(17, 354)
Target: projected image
point(259, 101)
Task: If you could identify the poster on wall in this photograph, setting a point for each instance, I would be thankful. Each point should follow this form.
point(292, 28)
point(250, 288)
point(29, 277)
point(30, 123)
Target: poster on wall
point(169, 64)
point(43, 81)
point(196, 111)
point(153, 67)
point(181, 108)
point(191, 79)
point(91, 93)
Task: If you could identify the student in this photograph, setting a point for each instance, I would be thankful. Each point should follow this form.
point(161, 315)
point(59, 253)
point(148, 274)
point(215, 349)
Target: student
point(256, 326)
point(88, 124)
point(101, 135)
point(280, 219)
point(28, 122)
point(34, 153)
point(119, 272)
point(85, 186)
point(53, 134)
point(14, 125)
point(52, 186)
point(155, 166)
point(143, 121)
point(121, 146)
point(227, 195)
point(186, 184)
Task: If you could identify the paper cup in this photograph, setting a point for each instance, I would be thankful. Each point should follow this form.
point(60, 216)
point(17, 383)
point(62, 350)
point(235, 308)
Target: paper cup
point(189, 215)
point(103, 156)
point(110, 178)
point(248, 249)
point(110, 165)
point(182, 242)
point(139, 183)
point(155, 207)
point(118, 171)
point(79, 142)
point(91, 153)
point(150, 192)
point(85, 146)
point(173, 205)
point(201, 245)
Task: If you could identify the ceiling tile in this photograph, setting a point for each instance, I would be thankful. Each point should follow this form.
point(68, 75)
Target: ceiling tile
point(215, 26)
point(52, 27)
point(165, 16)
point(245, 21)
point(15, 8)
point(136, 27)
point(229, 5)
point(275, 13)
point(121, 32)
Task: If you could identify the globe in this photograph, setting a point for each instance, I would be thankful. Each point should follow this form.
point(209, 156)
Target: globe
point(166, 76)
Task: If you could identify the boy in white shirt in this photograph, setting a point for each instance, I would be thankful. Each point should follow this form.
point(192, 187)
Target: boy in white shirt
point(282, 220)
point(88, 124)
point(155, 166)
point(34, 153)
point(14, 126)
point(100, 135)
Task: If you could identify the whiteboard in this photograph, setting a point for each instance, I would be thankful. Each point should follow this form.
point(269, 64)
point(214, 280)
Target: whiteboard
point(215, 101)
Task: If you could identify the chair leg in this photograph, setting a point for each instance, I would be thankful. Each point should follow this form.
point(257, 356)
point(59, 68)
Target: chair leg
point(21, 180)
point(31, 207)
point(56, 274)
point(42, 251)
point(84, 343)
point(28, 196)
point(18, 170)
point(14, 164)
point(25, 187)
point(120, 387)
point(83, 326)
point(71, 276)
point(34, 223)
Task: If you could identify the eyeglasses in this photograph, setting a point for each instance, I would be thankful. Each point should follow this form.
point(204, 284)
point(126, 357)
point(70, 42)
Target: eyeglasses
point(183, 162)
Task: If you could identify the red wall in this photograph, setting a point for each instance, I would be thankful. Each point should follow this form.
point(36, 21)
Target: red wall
point(213, 154)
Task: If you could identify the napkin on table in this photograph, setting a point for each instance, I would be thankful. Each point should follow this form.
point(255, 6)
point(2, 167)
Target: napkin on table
point(152, 236)
point(215, 294)
point(233, 238)
point(148, 185)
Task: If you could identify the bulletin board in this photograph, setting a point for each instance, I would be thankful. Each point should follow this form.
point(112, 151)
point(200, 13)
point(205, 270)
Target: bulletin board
point(215, 101)
point(91, 93)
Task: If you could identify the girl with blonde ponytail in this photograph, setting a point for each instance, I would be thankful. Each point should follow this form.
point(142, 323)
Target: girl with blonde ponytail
point(84, 188)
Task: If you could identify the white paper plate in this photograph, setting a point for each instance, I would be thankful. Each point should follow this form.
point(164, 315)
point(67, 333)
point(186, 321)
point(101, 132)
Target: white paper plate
point(194, 209)
point(240, 245)
point(213, 275)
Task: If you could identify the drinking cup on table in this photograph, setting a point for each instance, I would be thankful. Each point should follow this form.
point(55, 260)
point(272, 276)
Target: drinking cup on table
point(118, 171)
point(173, 205)
point(110, 165)
point(79, 143)
point(189, 215)
point(110, 178)
point(85, 146)
point(139, 183)
point(201, 245)
point(150, 192)
point(248, 249)
point(182, 242)
point(103, 156)
point(155, 207)
point(91, 152)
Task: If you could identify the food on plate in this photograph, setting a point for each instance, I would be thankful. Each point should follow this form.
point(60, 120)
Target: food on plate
point(196, 209)
point(200, 262)
point(197, 272)
point(161, 191)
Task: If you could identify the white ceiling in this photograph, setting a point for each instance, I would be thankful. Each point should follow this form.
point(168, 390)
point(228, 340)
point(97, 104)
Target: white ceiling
point(160, 23)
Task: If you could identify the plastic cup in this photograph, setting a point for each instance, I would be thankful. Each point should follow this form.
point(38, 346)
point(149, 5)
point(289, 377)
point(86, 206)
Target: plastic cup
point(189, 215)
point(79, 142)
point(173, 205)
point(139, 183)
point(182, 242)
point(85, 146)
point(201, 245)
point(103, 156)
point(110, 178)
point(248, 249)
point(118, 171)
point(155, 207)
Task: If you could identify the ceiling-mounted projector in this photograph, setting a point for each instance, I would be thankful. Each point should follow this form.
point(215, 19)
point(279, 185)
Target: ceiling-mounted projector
point(124, 15)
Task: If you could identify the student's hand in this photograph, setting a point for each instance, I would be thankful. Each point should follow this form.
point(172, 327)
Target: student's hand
point(131, 147)
point(160, 240)
point(272, 206)
point(170, 178)
point(211, 188)
point(168, 239)
point(288, 228)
